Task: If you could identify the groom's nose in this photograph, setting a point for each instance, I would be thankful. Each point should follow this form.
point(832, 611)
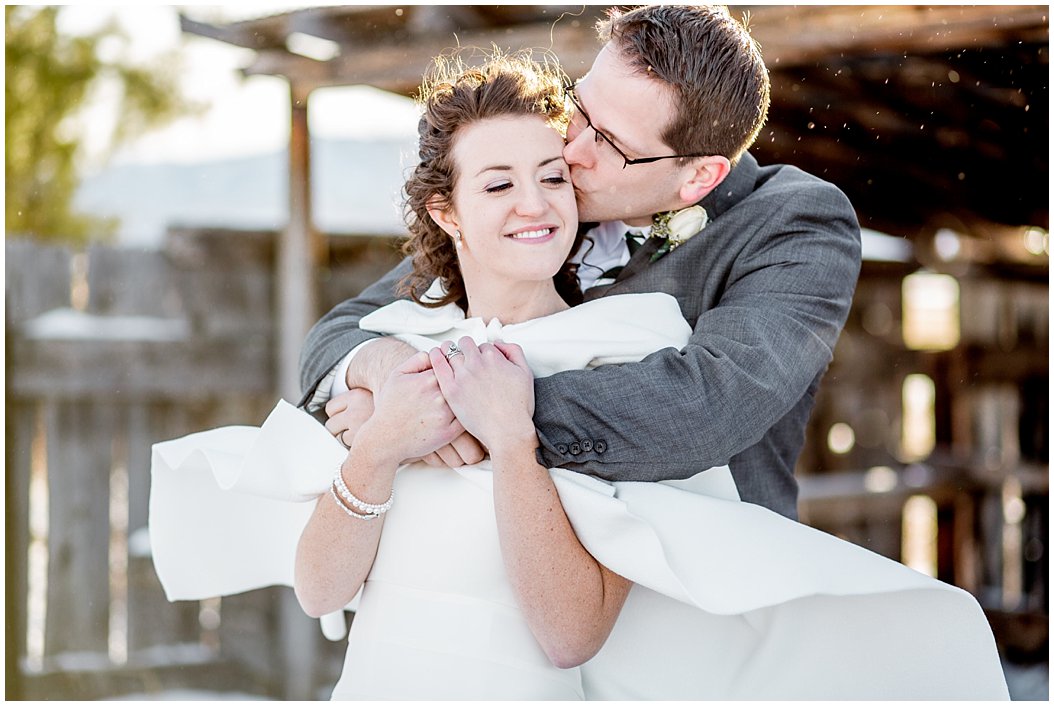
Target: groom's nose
point(580, 151)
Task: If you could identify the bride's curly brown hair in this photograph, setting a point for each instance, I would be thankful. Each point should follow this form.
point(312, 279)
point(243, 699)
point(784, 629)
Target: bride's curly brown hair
point(455, 95)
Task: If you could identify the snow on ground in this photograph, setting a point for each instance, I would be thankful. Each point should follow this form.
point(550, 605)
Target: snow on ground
point(191, 695)
point(1026, 682)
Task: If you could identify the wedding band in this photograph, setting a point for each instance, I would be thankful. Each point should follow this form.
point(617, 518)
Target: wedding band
point(340, 437)
point(453, 350)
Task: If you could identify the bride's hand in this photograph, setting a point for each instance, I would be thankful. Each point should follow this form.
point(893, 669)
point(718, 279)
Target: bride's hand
point(490, 389)
point(411, 418)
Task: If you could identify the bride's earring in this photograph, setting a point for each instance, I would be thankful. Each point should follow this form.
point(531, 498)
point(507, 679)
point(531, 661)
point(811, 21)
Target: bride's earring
point(457, 239)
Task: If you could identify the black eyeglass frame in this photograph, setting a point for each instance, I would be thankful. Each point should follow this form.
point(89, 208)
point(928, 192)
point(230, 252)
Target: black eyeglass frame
point(569, 92)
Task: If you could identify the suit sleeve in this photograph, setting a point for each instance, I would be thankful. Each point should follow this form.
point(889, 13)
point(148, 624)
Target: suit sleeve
point(750, 358)
point(338, 332)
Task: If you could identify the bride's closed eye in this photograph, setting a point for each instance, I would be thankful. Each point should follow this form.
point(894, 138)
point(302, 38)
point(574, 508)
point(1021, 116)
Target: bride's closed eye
point(498, 187)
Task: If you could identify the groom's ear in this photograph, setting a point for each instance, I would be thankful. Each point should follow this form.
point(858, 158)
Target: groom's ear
point(704, 176)
point(443, 215)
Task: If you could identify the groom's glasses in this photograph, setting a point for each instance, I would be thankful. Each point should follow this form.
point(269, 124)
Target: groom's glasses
point(598, 136)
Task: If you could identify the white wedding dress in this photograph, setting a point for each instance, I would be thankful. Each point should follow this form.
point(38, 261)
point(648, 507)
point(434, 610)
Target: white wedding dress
point(731, 601)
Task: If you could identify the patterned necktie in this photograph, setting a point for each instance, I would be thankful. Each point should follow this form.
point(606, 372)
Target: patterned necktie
point(634, 241)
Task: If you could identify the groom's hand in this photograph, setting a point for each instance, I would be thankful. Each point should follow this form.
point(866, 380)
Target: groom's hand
point(371, 367)
point(462, 451)
point(347, 412)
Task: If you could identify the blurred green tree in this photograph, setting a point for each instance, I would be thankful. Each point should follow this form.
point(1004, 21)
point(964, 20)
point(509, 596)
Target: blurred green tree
point(49, 77)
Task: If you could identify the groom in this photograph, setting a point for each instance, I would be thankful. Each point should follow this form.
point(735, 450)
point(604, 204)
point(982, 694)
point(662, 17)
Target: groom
point(663, 121)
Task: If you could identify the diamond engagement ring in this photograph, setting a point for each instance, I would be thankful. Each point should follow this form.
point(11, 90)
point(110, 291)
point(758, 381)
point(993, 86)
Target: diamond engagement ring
point(452, 350)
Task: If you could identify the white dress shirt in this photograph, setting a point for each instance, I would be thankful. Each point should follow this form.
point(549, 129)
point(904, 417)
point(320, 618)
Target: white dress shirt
point(607, 249)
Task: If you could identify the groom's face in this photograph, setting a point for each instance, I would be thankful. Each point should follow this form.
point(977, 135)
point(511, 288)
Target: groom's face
point(631, 111)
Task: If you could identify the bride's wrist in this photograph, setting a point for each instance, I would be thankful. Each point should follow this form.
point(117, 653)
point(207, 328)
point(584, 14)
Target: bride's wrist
point(371, 451)
point(514, 446)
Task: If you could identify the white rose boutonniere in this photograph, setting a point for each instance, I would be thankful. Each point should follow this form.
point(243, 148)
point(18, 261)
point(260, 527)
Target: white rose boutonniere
point(676, 227)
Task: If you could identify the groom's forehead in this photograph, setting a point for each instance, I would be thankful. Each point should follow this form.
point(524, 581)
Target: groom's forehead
point(624, 102)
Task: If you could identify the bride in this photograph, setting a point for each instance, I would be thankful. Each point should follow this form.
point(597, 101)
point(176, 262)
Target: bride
point(495, 227)
point(507, 580)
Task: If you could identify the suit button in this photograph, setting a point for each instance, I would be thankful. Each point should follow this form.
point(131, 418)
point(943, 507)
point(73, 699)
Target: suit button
point(600, 446)
point(561, 448)
point(575, 449)
point(587, 445)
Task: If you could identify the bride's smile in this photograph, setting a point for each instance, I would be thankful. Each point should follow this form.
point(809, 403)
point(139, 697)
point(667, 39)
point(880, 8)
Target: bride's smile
point(534, 235)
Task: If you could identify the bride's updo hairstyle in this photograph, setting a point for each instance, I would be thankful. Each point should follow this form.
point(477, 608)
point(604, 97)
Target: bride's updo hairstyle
point(455, 95)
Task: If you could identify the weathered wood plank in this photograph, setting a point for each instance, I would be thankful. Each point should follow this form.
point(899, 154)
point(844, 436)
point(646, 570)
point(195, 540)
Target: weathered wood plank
point(37, 279)
point(124, 280)
point(19, 428)
point(79, 449)
point(792, 36)
point(789, 37)
point(298, 642)
point(249, 635)
point(152, 619)
point(130, 369)
point(398, 66)
point(353, 264)
point(296, 298)
point(967, 570)
point(149, 675)
point(225, 281)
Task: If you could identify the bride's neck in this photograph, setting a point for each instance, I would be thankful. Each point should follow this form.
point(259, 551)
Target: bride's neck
point(513, 303)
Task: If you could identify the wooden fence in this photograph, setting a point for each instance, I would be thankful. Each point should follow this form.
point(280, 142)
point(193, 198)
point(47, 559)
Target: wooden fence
point(109, 351)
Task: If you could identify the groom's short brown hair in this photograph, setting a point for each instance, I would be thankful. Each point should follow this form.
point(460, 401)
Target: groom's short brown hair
point(711, 62)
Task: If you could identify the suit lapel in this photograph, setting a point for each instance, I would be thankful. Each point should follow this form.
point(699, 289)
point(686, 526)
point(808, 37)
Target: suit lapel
point(640, 259)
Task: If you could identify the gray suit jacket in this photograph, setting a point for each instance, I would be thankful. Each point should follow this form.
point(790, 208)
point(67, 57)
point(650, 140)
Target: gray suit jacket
point(766, 286)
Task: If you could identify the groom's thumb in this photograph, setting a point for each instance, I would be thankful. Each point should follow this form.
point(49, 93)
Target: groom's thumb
point(417, 363)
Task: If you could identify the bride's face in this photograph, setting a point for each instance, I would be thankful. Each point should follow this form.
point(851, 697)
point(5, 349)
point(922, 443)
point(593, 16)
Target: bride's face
point(513, 201)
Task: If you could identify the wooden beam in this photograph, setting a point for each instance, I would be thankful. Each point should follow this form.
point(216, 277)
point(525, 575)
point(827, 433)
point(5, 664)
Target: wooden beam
point(399, 67)
point(792, 36)
point(789, 37)
point(229, 34)
point(297, 247)
point(297, 311)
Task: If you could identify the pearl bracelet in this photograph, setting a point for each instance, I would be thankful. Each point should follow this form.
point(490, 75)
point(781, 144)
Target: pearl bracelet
point(348, 510)
point(368, 508)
